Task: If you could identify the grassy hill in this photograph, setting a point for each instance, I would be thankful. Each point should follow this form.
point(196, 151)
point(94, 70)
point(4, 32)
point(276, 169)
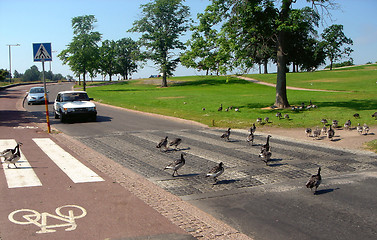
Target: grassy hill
point(186, 96)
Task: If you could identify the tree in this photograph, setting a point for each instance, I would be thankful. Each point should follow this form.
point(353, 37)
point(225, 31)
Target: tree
point(161, 25)
point(16, 74)
point(253, 24)
point(127, 55)
point(31, 74)
point(82, 53)
point(333, 41)
point(3, 74)
point(107, 56)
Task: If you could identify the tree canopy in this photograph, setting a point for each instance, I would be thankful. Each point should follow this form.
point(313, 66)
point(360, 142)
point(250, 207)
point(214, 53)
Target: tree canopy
point(333, 41)
point(82, 53)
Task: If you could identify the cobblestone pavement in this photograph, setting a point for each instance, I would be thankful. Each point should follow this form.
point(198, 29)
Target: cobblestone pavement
point(243, 169)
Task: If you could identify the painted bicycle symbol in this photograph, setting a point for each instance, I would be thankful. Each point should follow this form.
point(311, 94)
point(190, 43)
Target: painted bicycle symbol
point(65, 214)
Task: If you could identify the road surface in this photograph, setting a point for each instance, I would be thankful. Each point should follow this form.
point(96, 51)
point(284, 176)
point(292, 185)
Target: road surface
point(263, 202)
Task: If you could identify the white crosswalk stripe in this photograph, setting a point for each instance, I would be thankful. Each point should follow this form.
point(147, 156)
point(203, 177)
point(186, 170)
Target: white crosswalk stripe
point(24, 175)
point(72, 167)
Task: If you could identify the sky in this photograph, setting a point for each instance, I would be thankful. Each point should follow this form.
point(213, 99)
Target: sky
point(26, 22)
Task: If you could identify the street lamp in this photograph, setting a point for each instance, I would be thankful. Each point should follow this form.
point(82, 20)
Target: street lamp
point(51, 57)
point(10, 60)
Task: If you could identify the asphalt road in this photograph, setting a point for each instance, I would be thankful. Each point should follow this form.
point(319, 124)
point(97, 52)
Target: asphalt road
point(264, 202)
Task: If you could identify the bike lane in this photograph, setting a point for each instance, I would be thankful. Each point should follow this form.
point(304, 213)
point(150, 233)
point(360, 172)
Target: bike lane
point(62, 207)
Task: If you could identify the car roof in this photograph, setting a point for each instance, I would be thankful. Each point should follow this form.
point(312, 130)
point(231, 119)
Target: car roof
point(37, 87)
point(72, 92)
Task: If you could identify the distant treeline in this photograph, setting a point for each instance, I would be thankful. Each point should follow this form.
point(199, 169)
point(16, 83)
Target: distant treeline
point(32, 74)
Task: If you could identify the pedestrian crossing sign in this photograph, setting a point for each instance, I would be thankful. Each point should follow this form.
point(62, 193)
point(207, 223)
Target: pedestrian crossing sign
point(42, 51)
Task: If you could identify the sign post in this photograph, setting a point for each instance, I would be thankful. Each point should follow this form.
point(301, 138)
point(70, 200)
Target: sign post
point(42, 53)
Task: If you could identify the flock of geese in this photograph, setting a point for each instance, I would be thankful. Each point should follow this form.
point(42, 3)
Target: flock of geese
point(265, 152)
point(265, 155)
point(330, 132)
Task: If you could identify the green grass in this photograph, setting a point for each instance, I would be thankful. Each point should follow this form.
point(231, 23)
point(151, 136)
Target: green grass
point(372, 145)
point(186, 98)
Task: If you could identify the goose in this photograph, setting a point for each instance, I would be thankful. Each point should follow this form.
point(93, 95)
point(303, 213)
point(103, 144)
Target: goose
point(216, 171)
point(278, 115)
point(226, 134)
point(347, 125)
point(203, 109)
point(253, 128)
point(316, 133)
point(259, 120)
point(176, 142)
point(314, 181)
point(330, 133)
point(359, 128)
point(163, 143)
point(176, 165)
point(250, 138)
point(324, 130)
point(308, 131)
point(356, 115)
point(286, 116)
point(324, 121)
point(8, 152)
point(220, 108)
point(374, 115)
point(335, 123)
point(267, 145)
point(14, 157)
point(365, 129)
point(265, 156)
point(237, 109)
point(266, 119)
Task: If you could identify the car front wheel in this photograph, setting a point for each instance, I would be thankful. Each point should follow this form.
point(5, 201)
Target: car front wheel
point(63, 118)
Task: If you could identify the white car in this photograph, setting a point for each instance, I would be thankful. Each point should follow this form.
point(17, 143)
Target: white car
point(36, 95)
point(74, 104)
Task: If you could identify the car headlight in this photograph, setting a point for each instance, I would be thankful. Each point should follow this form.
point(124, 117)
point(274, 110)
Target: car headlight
point(68, 109)
point(92, 108)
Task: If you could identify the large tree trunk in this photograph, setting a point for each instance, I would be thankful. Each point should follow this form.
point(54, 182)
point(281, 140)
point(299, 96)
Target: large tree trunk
point(164, 81)
point(281, 100)
point(84, 81)
point(265, 65)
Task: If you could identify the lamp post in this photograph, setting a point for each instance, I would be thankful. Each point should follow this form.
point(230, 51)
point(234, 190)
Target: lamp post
point(51, 56)
point(10, 60)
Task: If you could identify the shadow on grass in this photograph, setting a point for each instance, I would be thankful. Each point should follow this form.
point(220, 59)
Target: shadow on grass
point(210, 82)
point(356, 105)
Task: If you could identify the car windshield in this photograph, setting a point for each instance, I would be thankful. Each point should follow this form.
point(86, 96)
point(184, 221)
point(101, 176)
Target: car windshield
point(70, 97)
point(36, 90)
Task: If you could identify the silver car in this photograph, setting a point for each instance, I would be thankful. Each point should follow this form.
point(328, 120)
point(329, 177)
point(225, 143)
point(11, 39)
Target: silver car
point(36, 95)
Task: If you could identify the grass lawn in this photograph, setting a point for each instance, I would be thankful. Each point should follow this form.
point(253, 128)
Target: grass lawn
point(186, 97)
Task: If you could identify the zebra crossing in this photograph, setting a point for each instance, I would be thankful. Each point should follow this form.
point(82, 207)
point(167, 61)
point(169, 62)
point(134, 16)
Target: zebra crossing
point(25, 176)
point(243, 169)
